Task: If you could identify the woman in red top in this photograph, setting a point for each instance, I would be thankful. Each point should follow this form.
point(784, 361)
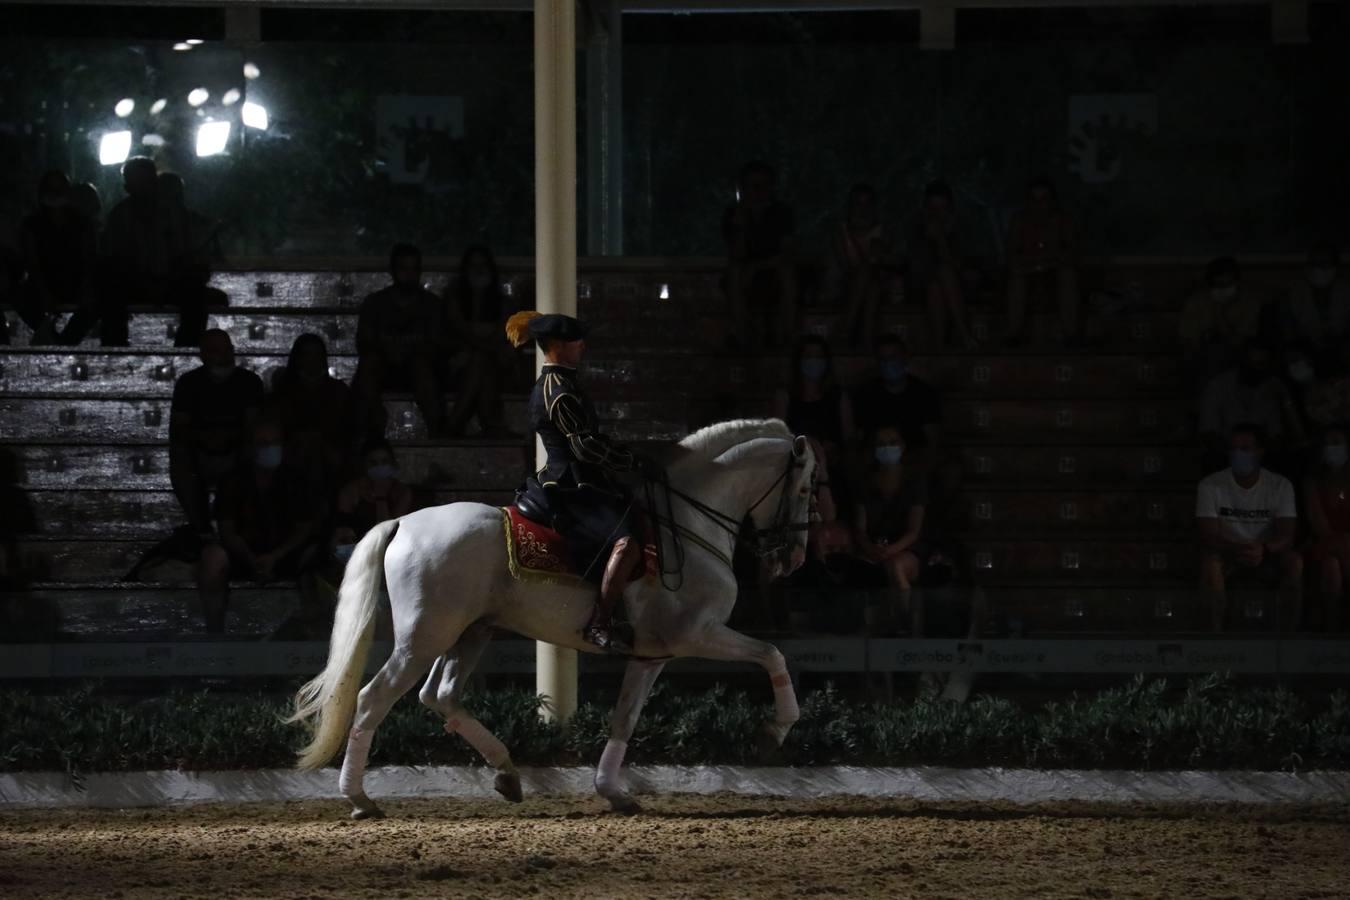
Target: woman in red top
point(1326, 499)
point(1041, 261)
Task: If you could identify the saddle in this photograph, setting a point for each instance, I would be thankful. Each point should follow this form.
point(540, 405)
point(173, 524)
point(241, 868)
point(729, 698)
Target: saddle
point(537, 553)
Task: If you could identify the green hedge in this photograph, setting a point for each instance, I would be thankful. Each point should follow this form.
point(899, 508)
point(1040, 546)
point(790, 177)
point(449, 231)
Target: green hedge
point(1210, 723)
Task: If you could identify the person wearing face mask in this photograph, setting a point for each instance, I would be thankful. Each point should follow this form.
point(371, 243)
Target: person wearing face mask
point(1250, 392)
point(373, 497)
point(898, 398)
point(1326, 501)
point(482, 362)
point(315, 409)
point(887, 531)
point(1317, 306)
point(59, 248)
point(399, 343)
point(1247, 520)
point(1042, 260)
point(1217, 320)
point(268, 524)
point(814, 404)
point(213, 410)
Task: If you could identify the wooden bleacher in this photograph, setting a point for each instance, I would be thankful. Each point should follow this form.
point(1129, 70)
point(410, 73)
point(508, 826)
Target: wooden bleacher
point(1078, 465)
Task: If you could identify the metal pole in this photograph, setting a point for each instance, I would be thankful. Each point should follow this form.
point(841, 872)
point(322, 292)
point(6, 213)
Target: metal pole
point(555, 249)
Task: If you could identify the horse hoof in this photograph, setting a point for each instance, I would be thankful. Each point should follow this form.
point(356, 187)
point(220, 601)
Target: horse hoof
point(508, 785)
point(767, 746)
point(625, 805)
point(367, 812)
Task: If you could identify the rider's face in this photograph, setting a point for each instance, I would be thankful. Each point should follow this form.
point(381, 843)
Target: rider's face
point(569, 353)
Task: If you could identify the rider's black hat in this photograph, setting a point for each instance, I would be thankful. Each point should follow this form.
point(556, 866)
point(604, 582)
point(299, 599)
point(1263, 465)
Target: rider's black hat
point(524, 326)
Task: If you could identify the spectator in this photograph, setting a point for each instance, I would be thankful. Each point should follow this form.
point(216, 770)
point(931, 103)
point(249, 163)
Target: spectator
point(371, 498)
point(1250, 393)
point(85, 200)
point(268, 525)
point(136, 251)
point(900, 399)
point(1247, 519)
point(397, 338)
point(1326, 398)
point(192, 247)
point(214, 407)
point(761, 274)
point(477, 309)
point(887, 526)
point(1042, 260)
point(314, 409)
point(60, 249)
point(1328, 511)
point(935, 266)
point(861, 265)
point(1218, 321)
point(815, 404)
point(1317, 310)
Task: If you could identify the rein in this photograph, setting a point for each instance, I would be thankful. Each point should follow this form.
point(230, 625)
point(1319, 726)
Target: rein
point(763, 542)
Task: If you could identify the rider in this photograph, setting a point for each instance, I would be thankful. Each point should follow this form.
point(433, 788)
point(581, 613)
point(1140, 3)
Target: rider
point(576, 485)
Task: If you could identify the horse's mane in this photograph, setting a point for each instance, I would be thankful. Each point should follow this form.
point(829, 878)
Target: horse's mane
point(714, 440)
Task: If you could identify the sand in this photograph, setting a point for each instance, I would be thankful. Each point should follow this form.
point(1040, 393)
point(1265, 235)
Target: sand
point(681, 846)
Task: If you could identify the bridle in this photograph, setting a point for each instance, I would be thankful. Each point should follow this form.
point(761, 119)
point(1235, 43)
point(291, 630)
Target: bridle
point(763, 542)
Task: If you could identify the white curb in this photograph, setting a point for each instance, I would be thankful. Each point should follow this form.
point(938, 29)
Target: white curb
point(1022, 786)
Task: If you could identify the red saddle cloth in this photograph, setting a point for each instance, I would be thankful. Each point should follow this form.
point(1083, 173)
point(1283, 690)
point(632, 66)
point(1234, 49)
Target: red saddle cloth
point(535, 552)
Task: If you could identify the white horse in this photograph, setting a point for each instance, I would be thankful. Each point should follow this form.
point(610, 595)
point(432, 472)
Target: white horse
point(449, 588)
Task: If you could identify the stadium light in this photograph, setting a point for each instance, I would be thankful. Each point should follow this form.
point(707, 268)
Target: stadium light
point(158, 106)
point(212, 138)
point(251, 71)
point(124, 107)
point(231, 97)
point(182, 46)
point(114, 148)
point(198, 96)
point(255, 115)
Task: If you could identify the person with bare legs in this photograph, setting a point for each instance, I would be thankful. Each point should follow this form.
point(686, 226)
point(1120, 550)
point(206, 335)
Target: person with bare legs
point(1042, 261)
point(888, 526)
point(861, 265)
point(935, 267)
point(1326, 500)
point(1247, 521)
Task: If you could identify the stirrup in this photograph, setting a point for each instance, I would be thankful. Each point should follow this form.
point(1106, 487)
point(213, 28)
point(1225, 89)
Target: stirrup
point(612, 637)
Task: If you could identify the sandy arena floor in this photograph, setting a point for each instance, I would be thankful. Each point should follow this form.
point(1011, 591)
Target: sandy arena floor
point(721, 846)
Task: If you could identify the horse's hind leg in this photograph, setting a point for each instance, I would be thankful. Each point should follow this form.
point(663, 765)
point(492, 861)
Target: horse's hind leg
point(443, 691)
point(395, 677)
point(638, 679)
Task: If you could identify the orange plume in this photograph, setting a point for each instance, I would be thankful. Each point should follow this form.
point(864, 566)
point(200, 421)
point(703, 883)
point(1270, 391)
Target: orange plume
point(518, 327)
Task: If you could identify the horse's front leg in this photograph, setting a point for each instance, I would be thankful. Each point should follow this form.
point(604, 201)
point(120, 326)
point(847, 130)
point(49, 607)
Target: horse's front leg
point(721, 642)
point(638, 679)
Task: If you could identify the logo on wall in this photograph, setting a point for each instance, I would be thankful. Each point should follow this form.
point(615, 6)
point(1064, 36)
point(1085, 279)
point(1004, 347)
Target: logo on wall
point(1101, 130)
point(417, 136)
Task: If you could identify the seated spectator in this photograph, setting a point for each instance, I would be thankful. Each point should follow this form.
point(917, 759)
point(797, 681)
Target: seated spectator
point(861, 265)
point(477, 309)
point(1042, 260)
point(935, 267)
point(213, 411)
point(375, 496)
point(60, 250)
point(1317, 307)
point(193, 247)
point(1216, 322)
point(761, 272)
point(899, 399)
point(136, 253)
point(397, 341)
point(814, 404)
point(1327, 509)
point(887, 527)
point(314, 409)
point(1247, 522)
point(1326, 397)
point(1249, 393)
point(268, 525)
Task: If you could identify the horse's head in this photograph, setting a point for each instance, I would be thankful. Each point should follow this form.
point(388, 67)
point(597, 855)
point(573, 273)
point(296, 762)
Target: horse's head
point(783, 515)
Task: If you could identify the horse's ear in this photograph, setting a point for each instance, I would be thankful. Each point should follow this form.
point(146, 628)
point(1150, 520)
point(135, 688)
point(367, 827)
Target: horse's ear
point(799, 446)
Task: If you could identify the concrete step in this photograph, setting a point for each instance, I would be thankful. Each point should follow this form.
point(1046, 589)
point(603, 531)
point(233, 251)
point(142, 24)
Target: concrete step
point(1075, 560)
point(136, 611)
point(1034, 465)
point(1087, 514)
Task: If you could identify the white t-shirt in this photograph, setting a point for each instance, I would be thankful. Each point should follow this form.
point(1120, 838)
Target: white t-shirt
point(1245, 514)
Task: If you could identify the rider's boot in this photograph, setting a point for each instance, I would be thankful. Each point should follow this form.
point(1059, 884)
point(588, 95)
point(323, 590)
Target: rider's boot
point(602, 630)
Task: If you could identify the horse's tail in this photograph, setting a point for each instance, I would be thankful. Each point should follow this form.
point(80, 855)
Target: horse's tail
point(331, 696)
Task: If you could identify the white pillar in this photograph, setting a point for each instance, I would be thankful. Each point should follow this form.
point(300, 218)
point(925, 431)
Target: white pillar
point(555, 247)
